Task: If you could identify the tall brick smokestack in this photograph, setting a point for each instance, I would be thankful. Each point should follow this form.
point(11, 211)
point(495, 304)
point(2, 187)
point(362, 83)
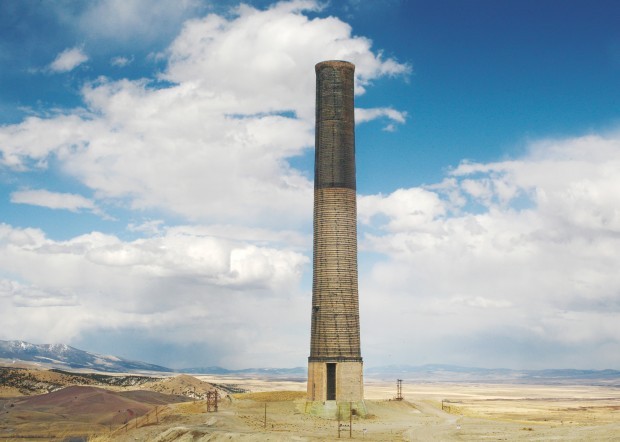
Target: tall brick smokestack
point(335, 362)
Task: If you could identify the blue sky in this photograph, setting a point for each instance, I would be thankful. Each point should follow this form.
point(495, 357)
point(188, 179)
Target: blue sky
point(156, 166)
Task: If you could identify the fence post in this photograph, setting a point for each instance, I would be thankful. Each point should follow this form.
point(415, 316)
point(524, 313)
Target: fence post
point(350, 421)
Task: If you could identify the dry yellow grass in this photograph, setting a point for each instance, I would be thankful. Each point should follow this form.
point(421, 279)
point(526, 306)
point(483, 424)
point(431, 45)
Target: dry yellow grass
point(472, 412)
point(272, 396)
point(9, 392)
point(547, 411)
point(184, 385)
point(198, 407)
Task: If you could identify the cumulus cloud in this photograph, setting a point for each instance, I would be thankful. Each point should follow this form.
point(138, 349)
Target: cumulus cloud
point(28, 296)
point(53, 200)
point(152, 227)
point(278, 49)
point(121, 61)
point(68, 60)
point(206, 142)
point(405, 209)
point(183, 286)
point(363, 115)
point(523, 251)
point(214, 145)
point(501, 263)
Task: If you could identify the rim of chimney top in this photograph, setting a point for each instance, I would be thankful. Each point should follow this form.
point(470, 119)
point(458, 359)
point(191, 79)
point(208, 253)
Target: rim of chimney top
point(334, 64)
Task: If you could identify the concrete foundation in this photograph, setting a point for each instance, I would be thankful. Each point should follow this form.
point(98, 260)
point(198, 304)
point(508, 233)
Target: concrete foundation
point(332, 409)
point(348, 382)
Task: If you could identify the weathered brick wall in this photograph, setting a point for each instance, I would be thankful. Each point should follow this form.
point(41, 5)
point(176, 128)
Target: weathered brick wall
point(335, 334)
point(317, 381)
point(335, 319)
point(349, 381)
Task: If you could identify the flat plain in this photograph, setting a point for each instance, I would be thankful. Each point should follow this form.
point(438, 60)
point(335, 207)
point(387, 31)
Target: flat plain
point(273, 410)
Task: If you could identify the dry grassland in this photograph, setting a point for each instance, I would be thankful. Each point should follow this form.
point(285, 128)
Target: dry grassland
point(471, 412)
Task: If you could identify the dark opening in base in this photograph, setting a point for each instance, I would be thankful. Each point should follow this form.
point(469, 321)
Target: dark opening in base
point(331, 381)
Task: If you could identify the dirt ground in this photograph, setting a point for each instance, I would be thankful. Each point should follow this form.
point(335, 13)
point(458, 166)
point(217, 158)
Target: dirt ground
point(471, 412)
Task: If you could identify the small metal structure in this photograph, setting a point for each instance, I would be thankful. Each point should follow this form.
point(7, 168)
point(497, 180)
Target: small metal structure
point(399, 390)
point(343, 426)
point(212, 397)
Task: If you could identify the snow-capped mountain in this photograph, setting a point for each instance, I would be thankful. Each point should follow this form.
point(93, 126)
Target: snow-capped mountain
point(64, 356)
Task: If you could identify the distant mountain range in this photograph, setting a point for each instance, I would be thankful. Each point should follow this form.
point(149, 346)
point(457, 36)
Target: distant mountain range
point(66, 357)
point(454, 373)
point(294, 372)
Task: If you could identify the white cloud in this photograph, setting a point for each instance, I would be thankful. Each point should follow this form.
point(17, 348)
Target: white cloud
point(68, 60)
point(214, 147)
point(505, 263)
point(278, 49)
point(121, 61)
point(25, 296)
point(183, 286)
point(480, 302)
point(211, 146)
point(53, 200)
point(152, 227)
point(526, 257)
point(406, 209)
point(363, 115)
point(30, 143)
